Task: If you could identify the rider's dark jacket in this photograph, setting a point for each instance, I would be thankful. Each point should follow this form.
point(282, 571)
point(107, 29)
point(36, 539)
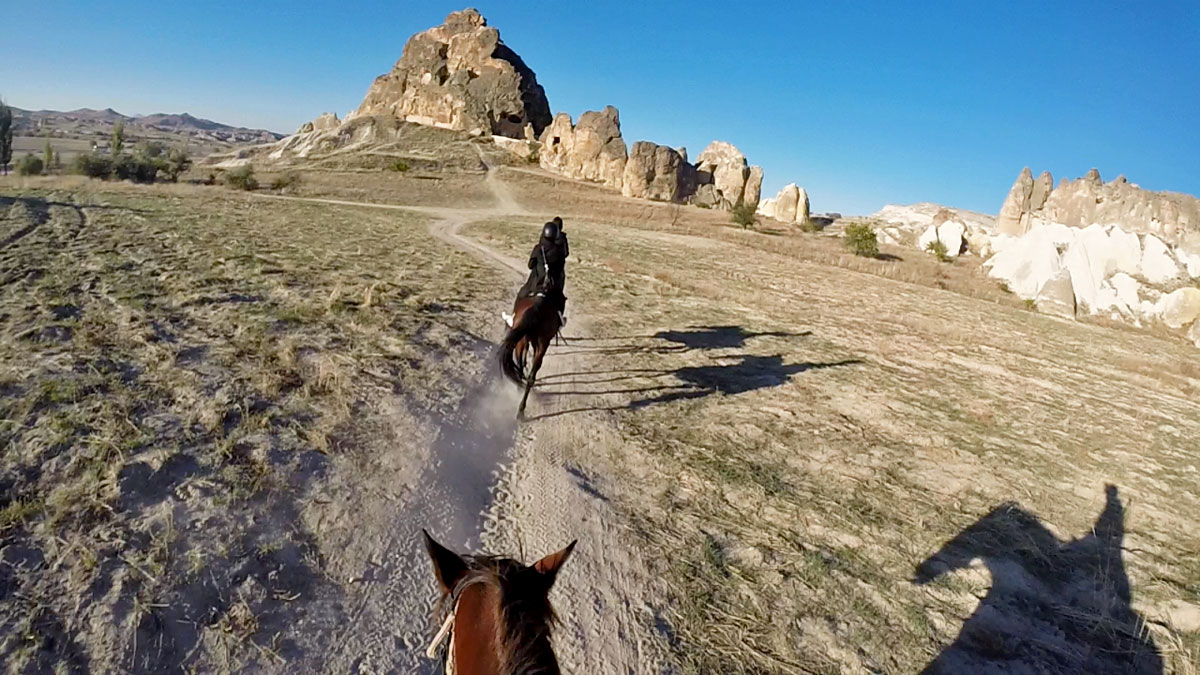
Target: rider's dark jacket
point(547, 265)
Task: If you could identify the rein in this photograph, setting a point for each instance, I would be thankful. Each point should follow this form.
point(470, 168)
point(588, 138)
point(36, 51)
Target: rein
point(444, 640)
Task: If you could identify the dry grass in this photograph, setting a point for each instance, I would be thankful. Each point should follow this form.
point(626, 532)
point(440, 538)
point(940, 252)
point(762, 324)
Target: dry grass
point(817, 432)
point(179, 368)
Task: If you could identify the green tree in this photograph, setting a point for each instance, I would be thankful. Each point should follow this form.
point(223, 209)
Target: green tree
point(29, 165)
point(6, 134)
point(743, 214)
point(47, 155)
point(860, 239)
point(118, 138)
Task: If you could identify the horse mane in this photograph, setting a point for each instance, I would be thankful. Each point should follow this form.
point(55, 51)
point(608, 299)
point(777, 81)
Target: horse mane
point(526, 616)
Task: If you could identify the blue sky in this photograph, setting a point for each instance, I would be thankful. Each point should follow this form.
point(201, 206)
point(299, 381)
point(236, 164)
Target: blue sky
point(861, 103)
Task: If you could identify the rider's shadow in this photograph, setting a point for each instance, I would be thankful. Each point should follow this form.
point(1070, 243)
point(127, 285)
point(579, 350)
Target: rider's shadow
point(1053, 607)
point(716, 337)
point(749, 373)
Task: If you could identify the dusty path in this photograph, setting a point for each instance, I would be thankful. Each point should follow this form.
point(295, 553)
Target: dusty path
point(487, 485)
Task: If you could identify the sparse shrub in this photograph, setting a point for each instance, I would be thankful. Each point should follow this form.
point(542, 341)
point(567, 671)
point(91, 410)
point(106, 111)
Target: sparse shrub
point(30, 165)
point(290, 179)
point(92, 165)
point(938, 250)
point(1031, 304)
point(176, 163)
point(241, 178)
point(860, 240)
point(118, 138)
point(135, 168)
point(48, 156)
point(810, 225)
point(743, 214)
point(1004, 286)
point(151, 149)
point(398, 165)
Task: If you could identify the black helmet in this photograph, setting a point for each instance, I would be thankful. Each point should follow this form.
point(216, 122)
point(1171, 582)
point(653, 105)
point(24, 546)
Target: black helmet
point(550, 231)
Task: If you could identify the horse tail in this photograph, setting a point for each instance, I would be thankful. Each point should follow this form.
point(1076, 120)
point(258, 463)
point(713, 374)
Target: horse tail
point(522, 329)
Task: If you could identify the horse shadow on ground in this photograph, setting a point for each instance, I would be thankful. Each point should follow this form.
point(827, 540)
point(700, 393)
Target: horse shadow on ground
point(695, 338)
point(1053, 606)
point(749, 373)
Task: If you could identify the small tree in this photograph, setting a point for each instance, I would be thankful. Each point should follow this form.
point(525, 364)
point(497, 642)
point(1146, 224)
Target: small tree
point(938, 250)
point(118, 138)
point(6, 135)
point(743, 214)
point(47, 155)
point(30, 165)
point(860, 239)
point(176, 164)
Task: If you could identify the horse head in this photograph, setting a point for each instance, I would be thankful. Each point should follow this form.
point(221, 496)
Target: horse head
point(1006, 532)
point(500, 614)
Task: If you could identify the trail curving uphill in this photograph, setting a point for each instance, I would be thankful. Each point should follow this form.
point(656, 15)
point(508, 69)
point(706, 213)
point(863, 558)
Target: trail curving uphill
point(487, 485)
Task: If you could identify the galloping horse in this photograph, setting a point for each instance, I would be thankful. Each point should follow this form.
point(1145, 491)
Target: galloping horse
point(535, 323)
point(500, 616)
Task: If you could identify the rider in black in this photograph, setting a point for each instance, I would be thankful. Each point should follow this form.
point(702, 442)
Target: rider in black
point(547, 267)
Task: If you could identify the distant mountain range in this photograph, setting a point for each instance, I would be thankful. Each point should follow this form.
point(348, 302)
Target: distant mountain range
point(88, 121)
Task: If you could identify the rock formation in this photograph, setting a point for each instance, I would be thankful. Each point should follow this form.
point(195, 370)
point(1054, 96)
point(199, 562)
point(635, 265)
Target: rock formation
point(1084, 201)
point(723, 177)
point(789, 206)
point(948, 228)
point(324, 122)
point(460, 76)
point(591, 150)
point(654, 172)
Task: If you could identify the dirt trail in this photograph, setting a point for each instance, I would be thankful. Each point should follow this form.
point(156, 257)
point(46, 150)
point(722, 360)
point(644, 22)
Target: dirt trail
point(487, 485)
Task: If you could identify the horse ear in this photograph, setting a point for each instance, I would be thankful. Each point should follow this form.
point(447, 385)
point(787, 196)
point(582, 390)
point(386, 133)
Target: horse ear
point(551, 563)
point(448, 566)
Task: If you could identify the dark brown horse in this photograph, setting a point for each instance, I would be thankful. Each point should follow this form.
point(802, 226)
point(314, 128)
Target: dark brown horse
point(500, 615)
point(535, 323)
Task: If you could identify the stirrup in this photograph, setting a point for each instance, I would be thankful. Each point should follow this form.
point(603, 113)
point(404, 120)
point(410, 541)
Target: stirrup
point(562, 319)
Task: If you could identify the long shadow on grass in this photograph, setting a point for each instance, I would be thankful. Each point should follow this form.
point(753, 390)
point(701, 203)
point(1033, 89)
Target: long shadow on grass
point(699, 337)
point(1054, 606)
point(749, 373)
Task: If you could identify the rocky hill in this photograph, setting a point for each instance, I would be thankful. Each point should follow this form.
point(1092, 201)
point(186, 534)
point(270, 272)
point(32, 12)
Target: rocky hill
point(88, 123)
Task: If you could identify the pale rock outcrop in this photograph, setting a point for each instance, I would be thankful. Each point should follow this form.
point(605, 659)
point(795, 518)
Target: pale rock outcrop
point(591, 150)
point(724, 167)
point(766, 207)
point(1193, 333)
point(1012, 219)
point(946, 228)
point(1028, 262)
point(323, 122)
point(914, 224)
point(753, 186)
point(460, 76)
point(791, 205)
point(1057, 296)
point(1157, 266)
point(1081, 202)
point(653, 172)
point(1180, 307)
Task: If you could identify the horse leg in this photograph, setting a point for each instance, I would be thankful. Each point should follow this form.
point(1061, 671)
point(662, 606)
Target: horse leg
point(538, 353)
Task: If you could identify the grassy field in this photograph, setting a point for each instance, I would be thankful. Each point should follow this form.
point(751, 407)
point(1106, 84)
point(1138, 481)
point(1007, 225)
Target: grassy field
point(182, 369)
point(835, 464)
point(818, 450)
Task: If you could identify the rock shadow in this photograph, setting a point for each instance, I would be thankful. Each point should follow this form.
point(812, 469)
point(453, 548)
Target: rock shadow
point(1053, 607)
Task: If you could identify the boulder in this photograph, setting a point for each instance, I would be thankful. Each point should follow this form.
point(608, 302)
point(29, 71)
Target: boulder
point(1193, 333)
point(591, 150)
point(323, 122)
point(766, 208)
point(1126, 250)
point(753, 186)
point(1012, 219)
point(947, 229)
point(1181, 307)
point(791, 205)
point(460, 76)
point(724, 167)
point(653, 172)
point(1157, 266)
point(1057, 296)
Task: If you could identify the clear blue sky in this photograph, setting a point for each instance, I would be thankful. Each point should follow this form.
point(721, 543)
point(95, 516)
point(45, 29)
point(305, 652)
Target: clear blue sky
point(861, 103)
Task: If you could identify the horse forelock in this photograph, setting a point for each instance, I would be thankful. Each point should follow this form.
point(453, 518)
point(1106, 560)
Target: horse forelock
point(524, 612)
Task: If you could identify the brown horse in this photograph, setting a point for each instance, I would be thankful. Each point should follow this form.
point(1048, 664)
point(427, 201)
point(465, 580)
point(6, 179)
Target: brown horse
point(500, 616)
point(535, 323)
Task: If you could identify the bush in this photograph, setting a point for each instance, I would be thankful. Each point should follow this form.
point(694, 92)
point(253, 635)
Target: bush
point(241, 178)
point(176, 163)
point(398, 165)
point(30, 165)
point(810, 225)
point(287, 180)
point(92, 165)
point(939, 250)
point(860, 239)
point(137, 169)
point(743, 214)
